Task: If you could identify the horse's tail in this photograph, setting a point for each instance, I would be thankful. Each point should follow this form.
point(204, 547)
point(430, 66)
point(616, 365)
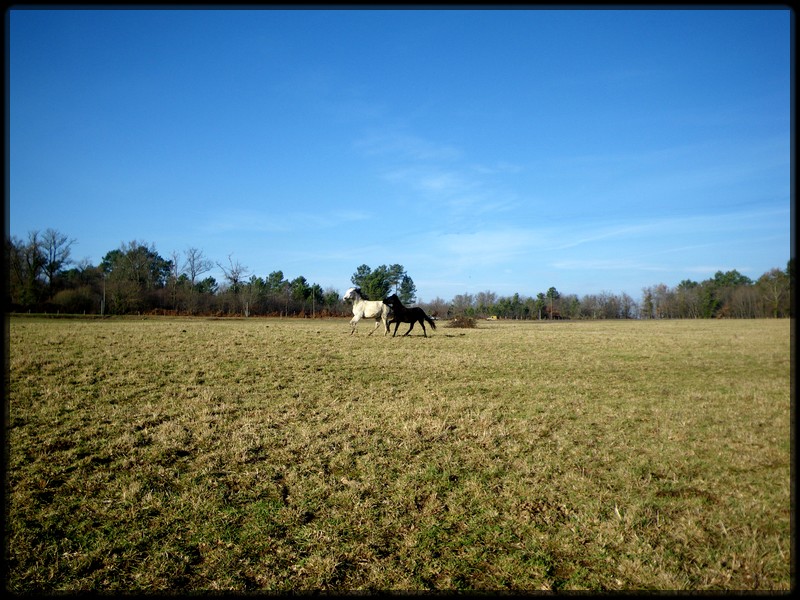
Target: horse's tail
point(430, 321)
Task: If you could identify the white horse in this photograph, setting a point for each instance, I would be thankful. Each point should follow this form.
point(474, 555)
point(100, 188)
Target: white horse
point(372, 309)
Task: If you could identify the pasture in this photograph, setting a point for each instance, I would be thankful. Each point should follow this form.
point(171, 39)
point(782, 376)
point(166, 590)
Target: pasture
point(267, 454)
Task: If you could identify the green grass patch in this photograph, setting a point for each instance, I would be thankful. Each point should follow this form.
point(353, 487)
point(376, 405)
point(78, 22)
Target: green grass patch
point(268, 454)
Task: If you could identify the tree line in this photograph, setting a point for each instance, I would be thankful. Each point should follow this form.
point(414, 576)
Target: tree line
point(41, 276)
point(725, 295)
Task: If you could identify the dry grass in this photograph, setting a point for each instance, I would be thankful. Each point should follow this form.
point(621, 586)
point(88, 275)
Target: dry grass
point(267, 454)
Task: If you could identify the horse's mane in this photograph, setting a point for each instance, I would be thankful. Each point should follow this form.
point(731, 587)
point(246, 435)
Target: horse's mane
point(396, 298)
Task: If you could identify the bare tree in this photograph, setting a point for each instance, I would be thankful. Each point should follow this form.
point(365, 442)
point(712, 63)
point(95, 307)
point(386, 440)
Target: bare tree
point(746, 302)
point(484, 301)
point(196, 264)
point(463, 304)
point(56, 249)
point(590, 306)
point(174, 281)
point(25, 264)
point(627, 306)
point(775, 288)
point(436, 307)
point(234, 273)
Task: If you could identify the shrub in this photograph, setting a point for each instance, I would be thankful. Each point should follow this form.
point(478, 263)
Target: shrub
point(76, 300)
point(462, 322)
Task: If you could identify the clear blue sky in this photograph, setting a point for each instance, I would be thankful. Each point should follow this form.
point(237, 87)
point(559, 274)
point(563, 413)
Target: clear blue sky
point(501, 150)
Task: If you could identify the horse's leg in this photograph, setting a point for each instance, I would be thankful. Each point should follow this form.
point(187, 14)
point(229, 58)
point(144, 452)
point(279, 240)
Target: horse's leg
point(409, 329)
point(377, 323)
point(424, 332)
point(396, 325)
point(353, 324)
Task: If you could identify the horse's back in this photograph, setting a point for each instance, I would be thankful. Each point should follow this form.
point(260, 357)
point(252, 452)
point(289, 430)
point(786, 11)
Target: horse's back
point(375, 308)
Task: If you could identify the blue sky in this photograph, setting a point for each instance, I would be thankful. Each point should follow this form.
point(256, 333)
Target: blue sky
point(501, 150)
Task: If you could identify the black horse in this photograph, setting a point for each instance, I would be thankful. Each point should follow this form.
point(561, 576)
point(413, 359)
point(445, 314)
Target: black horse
point(401, 314)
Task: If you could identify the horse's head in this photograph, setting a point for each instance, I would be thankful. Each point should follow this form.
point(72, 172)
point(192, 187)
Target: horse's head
point(392, 300)
point(352, 293)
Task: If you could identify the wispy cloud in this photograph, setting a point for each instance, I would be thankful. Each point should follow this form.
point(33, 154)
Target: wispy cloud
point(488, 247)
point(406, 147)
point(439, 174)
point(566, 238)
point(709, 173)
point(495, 245)
point(232, 220)
point(259, 221)
point(430, 180)
point(672, 225)
point(603, 265)
point(630, 265)
point(499, 168)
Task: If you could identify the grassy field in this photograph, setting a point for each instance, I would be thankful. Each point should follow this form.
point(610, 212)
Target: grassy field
point(268, 454)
